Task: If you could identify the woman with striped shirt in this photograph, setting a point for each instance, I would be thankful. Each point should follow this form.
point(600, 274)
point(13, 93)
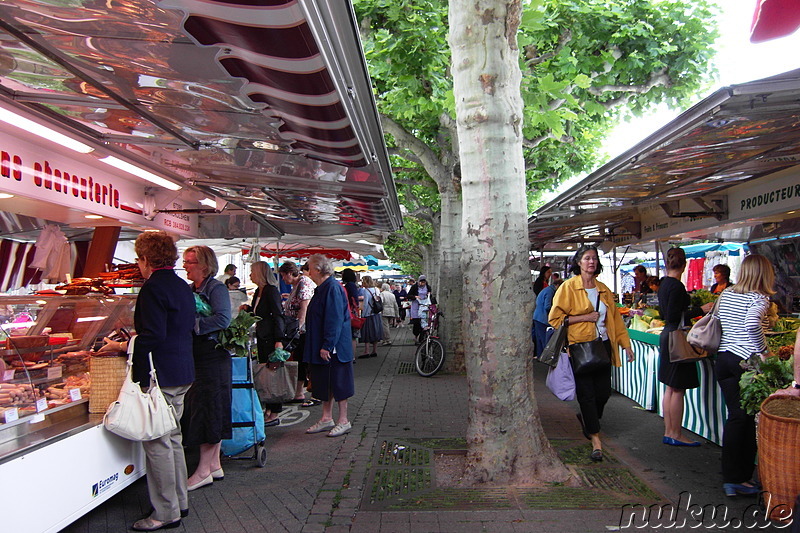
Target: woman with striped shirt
point(742, 310)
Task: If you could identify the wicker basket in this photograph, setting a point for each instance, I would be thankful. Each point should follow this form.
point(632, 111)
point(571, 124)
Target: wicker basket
point(108, 373)
point(779, 458)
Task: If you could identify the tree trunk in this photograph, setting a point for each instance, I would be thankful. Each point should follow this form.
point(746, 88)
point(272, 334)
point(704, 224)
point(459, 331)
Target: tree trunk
point(506, 443)
point(450, 283)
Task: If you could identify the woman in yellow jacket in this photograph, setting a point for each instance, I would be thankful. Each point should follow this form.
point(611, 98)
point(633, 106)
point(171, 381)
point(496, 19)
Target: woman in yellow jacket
point(576, 299)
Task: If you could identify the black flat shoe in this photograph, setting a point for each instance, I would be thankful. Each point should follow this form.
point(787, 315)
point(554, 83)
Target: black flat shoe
point(274, 422)
point(373, 355)
point(596, 456)
point(364, 356)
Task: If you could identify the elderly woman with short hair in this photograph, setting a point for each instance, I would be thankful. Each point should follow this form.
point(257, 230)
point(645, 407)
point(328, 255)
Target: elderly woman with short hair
point(390, 312)
point(209, 400)
point(329, 349)
point(163, 318)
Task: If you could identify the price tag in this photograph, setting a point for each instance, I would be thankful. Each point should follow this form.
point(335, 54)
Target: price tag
point(54, 372)
point(41, 405)
point(12, 414)
point(8, 375)
point(75, 394)
point(38, 417)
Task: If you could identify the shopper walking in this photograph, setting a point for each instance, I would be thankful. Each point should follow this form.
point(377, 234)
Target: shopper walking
point(591, 311)
point(389, 313)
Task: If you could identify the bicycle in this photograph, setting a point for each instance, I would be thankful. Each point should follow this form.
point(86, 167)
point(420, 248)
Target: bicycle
point(429, 357)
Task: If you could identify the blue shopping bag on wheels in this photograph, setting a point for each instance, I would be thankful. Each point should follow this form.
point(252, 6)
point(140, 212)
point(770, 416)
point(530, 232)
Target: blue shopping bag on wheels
point(246, 415)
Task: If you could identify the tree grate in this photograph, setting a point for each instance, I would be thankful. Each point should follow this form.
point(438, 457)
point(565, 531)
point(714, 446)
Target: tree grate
point(404, 367)
point(390, 482)
point(403, 478)
point(619, 480)
point(403, 454)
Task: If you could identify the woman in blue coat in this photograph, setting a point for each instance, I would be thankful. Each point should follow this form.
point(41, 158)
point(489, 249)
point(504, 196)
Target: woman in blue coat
point(329, 349)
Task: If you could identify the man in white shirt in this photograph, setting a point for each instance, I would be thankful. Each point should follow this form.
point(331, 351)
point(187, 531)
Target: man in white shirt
point(230, 270)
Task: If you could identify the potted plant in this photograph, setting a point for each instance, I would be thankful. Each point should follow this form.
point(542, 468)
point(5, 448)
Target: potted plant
point(236, 337)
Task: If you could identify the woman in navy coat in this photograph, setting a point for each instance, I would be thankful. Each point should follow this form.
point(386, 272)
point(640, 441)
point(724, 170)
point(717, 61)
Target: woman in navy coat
point(164, 319)
point(329, 349)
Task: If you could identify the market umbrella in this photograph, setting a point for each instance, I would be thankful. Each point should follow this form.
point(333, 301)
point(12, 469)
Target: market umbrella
point(773, 19)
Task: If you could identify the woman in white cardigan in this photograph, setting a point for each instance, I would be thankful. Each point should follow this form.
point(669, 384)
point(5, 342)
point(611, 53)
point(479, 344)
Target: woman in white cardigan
point(390, 312)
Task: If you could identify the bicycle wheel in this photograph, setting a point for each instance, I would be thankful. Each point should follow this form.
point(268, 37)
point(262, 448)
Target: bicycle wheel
point(429, 357)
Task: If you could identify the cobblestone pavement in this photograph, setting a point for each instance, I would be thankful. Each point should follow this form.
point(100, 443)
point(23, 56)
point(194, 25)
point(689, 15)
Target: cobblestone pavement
point(315, 484)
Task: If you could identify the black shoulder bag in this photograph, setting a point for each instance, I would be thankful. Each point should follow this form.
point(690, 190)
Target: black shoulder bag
point(590, 356)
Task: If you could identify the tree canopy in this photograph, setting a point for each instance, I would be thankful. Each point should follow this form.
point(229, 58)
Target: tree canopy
point(586, 64)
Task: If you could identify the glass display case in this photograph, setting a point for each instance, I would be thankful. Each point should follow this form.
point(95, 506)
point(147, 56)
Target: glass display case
point(45, 351)
point(46, 425)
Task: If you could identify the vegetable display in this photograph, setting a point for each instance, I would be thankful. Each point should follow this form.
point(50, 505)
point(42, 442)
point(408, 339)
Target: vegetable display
point(701, 297)
point(762, 378)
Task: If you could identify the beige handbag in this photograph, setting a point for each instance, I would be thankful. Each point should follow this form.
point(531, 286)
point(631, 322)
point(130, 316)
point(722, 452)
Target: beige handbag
point(706, 333)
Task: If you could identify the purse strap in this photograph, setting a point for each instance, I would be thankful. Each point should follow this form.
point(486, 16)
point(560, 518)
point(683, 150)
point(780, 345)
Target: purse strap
point(714, 307)
point(597, 308)
point(153, 377)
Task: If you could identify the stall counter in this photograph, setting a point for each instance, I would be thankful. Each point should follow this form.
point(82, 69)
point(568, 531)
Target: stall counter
point(704, 407)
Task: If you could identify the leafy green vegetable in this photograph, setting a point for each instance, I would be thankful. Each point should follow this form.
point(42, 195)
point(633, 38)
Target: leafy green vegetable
point(651, 312)
point(638, 324)
point(774, 342)
point(236, 337)
point(762, 378)
point(702, 296)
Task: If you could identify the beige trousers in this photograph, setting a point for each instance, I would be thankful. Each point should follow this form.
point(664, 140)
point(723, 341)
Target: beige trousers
point(166, 465)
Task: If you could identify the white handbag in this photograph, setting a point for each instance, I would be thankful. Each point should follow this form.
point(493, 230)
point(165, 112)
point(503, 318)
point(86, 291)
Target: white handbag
point(137, 415)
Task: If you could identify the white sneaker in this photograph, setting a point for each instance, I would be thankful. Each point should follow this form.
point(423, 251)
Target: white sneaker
point(320, 426)
point(340, 429)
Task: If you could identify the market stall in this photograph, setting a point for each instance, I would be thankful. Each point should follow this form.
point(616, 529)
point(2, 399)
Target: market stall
point(725, 171)
point(157, 116)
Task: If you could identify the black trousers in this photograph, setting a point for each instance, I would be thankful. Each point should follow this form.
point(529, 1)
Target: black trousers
point(416, 326)
point(593, 391)
point(739, 434)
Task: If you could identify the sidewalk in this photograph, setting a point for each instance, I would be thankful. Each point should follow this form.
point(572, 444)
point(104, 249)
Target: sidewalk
point(315, 484)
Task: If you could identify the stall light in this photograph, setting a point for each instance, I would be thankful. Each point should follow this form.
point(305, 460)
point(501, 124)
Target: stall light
point(93, 217)
point(16, 325)
point(209, 202)
point(140, 172)
point(43, 131)
point(792, 236)
point(91, 319)
point(5, 196)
